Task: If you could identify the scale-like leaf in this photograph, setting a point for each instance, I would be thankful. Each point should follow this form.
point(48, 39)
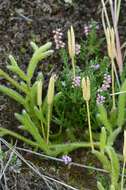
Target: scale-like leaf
point(115, 167)
point(100, 186)
point(103, 159)
point(34, 46)
point(12, 81)
point(12, 94)
point(104, 118)
point(39, 54)
point(112, 187)
point(103, 138)
point(18, 136)
point(16, 69)
point(122, 105)
point(33, 130)
point(112, 137)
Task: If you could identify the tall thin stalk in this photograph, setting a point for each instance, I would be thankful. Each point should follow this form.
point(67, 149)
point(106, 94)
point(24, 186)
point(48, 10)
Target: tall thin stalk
point(48, 123)
point(89, 125)
point(124, 161)
point(87, 96)
point(73, 65)
point(113, 85)
point(50, 96)
point(123, 172)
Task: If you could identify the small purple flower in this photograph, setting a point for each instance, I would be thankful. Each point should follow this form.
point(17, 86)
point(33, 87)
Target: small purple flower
point(86, 30)
point(107, 78)
point(105, 86)
point(100, 99)
point(95, 67)
point(76, 82)
point(88, 27)
point(58, 35)
point(106, 82)
point(66, 159)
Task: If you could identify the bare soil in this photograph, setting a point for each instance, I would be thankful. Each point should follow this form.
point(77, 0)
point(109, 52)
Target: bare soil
point(20, 22)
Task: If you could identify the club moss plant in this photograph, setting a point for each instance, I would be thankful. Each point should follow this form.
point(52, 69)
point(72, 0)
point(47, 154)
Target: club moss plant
point(37, 110)
point(87, 96)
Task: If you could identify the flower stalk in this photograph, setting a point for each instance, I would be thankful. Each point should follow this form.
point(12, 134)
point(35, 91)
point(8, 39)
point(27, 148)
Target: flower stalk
point(124, 161)
point(110, 37)
point(71, 48)
point(86, 96)
point(39, 103)
point(50, 96)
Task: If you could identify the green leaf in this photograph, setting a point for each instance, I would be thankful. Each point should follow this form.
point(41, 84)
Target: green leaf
point(57, 97)
point(16, 69)
point(104, 118)
point(121, 105)
point(103, 159)
point(37, 113)
point(115, 167)
point(112, 137)
point(24, 86)
point(19, 117)
point(100, 186)
point(33, 130)
point(12, 81)
point(112, 187)
point(34, 46)
point(40, 115)
point(113, 117)
point(39, 54)
point(16, 135)
point(12, 60)
point(33, 94)
point(12, 94)
point(103, 138)
point(57, 149)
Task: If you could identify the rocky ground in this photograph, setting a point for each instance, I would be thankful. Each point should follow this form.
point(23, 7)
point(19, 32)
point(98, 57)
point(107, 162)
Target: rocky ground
point(24, 20)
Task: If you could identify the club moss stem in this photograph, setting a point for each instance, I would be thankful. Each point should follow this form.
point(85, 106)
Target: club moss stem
point(113, 85)
point(73, 66)
point(122, 178)
point(89, 125)
point(48, 123)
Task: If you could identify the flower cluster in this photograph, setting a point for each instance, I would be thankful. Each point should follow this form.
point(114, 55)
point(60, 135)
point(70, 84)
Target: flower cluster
point(66, 159)
point(105, 87)
point(86, 29)
point(76, 82)
point(100, 99)
point(58, 38)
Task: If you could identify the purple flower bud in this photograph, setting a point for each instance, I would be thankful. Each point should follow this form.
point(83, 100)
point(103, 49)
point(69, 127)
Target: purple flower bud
point(76, 82)
point(66, 159)
point(104, 87)
point(86, 29)
point(100, 99)
point(96, 67)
